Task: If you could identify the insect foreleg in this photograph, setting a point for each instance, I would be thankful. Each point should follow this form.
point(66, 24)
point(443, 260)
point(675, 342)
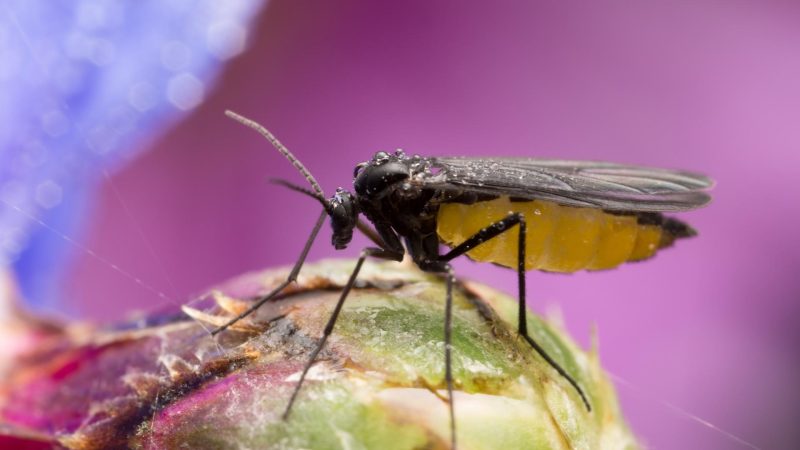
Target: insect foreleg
point(373, 252)
point(291, 278)
point(371, 234)
point(490, 232)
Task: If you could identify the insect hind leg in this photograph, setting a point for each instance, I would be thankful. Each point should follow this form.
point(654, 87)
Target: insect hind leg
point(489, 232)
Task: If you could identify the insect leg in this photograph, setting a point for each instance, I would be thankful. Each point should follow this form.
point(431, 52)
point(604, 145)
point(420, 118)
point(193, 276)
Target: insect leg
point(522, 321)
point(493, 231)
point(371, 234)
point(370, 251)
point(291, 278)
point(448, 348)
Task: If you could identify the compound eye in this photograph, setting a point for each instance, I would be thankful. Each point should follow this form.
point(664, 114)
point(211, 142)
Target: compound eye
point(358, 169)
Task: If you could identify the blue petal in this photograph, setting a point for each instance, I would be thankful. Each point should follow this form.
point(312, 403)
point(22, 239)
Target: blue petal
point(82, 85)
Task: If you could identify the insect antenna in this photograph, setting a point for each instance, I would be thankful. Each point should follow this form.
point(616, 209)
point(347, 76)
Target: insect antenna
point(308, 192)
point(371, 234)
point(281, 148)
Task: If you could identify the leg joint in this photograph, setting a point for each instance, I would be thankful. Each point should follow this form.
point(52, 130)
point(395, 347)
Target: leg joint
point(489, 232)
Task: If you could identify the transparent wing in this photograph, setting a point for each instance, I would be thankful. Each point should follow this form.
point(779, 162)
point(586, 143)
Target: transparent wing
point(577, 183)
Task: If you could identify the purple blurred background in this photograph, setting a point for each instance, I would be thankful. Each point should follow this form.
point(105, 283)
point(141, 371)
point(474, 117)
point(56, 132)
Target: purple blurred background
point(709, 326)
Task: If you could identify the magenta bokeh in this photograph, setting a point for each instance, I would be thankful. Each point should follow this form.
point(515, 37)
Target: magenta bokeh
point(709, 326)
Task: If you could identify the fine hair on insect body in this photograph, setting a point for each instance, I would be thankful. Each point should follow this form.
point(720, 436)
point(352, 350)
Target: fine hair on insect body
point(521, 213)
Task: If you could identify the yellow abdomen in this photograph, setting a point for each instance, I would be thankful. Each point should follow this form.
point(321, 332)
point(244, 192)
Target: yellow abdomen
point(559, 238)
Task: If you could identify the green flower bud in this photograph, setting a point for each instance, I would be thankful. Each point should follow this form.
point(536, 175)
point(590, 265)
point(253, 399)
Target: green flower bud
point(378, 383)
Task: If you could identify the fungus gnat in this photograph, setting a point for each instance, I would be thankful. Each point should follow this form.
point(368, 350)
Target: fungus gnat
point(582, 216)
